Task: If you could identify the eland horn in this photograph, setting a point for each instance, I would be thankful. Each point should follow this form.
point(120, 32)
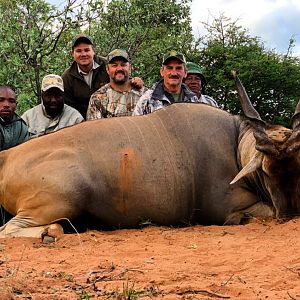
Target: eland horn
point(296, 117)
point(263, 142)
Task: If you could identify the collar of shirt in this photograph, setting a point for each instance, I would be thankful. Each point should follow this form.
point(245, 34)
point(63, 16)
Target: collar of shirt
point(88, 76)
point(95, 66)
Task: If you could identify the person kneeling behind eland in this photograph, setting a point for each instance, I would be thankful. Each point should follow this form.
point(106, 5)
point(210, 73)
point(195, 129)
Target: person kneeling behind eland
point(52, 114)
point(196, 82)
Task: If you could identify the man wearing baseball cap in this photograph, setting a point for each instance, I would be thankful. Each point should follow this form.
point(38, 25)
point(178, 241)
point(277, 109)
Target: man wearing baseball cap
point(196, 82)
point(117, 98)
point(52, 114)
point(86, 74)
point(170, 89)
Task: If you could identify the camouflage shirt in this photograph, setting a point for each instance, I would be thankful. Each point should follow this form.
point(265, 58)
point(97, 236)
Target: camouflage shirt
point(158, 98)
point(106, 102)
point(208, 100)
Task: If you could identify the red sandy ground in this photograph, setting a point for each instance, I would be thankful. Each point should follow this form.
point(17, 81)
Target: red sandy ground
point(260, 260)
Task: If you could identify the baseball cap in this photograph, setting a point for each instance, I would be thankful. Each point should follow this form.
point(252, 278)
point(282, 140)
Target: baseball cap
point(193, 68)
point(173, 54)
point(51, 81)
point(117, 53)
point(82, 38)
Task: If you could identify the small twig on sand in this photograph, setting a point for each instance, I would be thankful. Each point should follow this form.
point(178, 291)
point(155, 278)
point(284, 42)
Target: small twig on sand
point(224, 284)
point(291, 295)
point(19, 263)
point(132, 270)
point(292, 270)
point(203, 292)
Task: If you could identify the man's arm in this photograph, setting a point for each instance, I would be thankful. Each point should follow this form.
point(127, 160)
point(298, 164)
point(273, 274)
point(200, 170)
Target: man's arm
point(140, 108)
point(208, 100)
point(137, 82)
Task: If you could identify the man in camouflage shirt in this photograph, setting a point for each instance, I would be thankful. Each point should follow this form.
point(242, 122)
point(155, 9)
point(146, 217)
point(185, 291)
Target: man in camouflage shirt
point(117, 98)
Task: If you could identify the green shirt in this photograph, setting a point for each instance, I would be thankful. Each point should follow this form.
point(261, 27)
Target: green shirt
point(12, 132)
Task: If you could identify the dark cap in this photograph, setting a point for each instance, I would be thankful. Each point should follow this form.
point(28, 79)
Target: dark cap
point(82, 38)
point(173, 54)
point(193, 68)
point(117, 53)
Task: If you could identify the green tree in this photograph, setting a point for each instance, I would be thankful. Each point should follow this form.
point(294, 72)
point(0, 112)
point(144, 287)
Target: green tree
point(147, 29)
point(36, 37)
point(30, 34)
point(36, 40)
point(271, 80)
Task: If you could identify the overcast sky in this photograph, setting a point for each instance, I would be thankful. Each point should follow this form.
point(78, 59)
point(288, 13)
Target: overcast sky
point(274, 21)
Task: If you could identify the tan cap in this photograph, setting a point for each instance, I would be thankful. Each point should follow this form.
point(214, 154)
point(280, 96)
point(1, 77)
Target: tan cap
point(52, 81)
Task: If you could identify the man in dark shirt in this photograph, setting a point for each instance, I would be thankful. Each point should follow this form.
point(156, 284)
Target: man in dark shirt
point(13, 130)
point(85, 76)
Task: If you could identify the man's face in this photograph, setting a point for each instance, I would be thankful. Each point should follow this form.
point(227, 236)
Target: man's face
point(173, 72)
point(119, 70)
point(83, 54)
point(53, 100)
point(193, 81)
point(8, 103)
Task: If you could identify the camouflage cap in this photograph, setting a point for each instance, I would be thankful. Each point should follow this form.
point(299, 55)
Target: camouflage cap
point(193, 68)
point(83, 38)
point(117, 53)
point(52, 81)
point(173, 54)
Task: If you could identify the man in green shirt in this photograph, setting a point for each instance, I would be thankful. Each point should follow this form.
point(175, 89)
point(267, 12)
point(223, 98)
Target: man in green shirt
point(13, 130)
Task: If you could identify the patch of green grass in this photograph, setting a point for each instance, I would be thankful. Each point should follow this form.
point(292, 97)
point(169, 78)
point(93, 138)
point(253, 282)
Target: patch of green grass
point(145, 222)
point(129, 293)
point(84, 295)
point(65, 276)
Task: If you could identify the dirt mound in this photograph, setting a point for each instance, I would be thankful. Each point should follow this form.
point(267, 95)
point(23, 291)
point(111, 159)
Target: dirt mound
point(254, 261)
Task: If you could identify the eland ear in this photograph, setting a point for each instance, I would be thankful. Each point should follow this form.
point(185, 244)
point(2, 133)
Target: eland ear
point(254, 164)
point(264, 144)
point(293, 143)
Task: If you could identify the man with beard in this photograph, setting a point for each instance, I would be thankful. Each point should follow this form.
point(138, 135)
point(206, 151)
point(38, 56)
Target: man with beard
point(119, 97)
point(168, 90)
point(52, 114)
point(13, 130)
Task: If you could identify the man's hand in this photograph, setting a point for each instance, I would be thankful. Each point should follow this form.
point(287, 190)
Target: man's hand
point(137, 82)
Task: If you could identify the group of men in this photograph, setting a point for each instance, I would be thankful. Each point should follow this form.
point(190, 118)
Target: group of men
point(96, 87)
